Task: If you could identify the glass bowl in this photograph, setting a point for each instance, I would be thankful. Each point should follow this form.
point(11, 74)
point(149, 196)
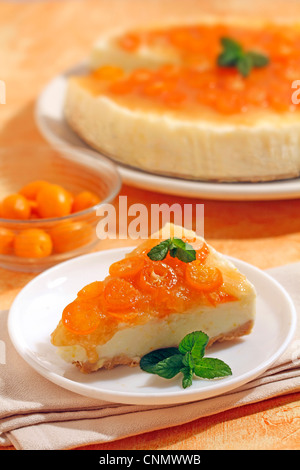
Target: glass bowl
point(71, 235)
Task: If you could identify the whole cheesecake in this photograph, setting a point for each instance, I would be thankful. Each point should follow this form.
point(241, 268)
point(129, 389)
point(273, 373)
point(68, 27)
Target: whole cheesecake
point(209, 101)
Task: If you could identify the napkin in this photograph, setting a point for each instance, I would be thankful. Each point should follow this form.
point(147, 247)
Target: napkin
point(36, 414)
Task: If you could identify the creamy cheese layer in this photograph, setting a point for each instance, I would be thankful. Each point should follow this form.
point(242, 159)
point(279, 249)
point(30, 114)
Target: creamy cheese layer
point(133, 343)
point(267, 149)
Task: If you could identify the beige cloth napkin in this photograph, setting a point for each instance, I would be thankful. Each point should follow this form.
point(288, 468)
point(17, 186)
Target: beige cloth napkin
point(36, 414)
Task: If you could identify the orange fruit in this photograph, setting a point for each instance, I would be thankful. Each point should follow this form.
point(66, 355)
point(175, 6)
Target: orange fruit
point(30, 190)
point(84, 200)
point(69, 236)
point(120, 295)
point(202, 253)
point(91, 291)
point(127, 267)
point(53, 201)
point(157, 275)
point(121, 87)
point(129, 42)
point(173, 97)
point(202, 277)
point(81, 318)
point(15, 206)
point(108, 72)
point(33, 243)
point(6, 241)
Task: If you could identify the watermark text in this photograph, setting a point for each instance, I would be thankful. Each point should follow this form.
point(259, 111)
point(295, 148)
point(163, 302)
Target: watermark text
point(296, 94)
point(139, 221)
point(2, 92)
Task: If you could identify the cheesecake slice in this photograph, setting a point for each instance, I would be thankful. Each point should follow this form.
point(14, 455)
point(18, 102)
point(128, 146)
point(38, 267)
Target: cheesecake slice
point(153, 297)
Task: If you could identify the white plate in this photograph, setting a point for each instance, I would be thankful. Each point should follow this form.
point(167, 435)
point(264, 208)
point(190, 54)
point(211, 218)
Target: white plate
point(37, 310)
point(53, 126)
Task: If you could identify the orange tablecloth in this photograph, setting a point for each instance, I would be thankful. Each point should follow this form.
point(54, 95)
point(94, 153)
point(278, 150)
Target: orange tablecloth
point(39, 40)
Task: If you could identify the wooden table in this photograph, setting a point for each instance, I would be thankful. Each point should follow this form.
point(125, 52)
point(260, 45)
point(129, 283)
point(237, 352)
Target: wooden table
point(41, 39)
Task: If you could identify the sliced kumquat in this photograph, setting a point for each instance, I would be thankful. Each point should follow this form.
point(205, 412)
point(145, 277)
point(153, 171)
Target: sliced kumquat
point(159, 276)
point(129, 42)
point(169, 71)
point(156, 88)
point(81, 318)
point(33, 243)
point(108, 72)
point(84, 200)
point(183, 38)
point(91, 291)
point(202, 277)
point(6, 241)
point(120, 294)
point(127, 267)
point(176, 264)
point(198, 79)
point(146, 246)
point(202, 253)
point(173, 97)
point(15, 206)
point(220, 297)
point(122, 87)
point(140, 76)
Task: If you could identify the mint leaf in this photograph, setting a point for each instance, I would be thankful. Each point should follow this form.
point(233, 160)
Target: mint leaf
point(182, 250)
point(177, 249)
point(186, 359)
point(230, 45)
point(227, 59)
point(195, 343)
point(258, 60)
point(169, 367)
point(244, 65)
point(233, 55)
point(187, 377)
point(160, 251)
point(210, 368)
point(150, 360)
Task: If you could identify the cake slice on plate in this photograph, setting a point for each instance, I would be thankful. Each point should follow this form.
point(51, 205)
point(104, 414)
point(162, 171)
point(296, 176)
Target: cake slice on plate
point(170, 285)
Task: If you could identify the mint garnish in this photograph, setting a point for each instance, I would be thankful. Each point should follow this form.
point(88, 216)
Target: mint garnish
point(233, 55)
point(177, 249)
point(187, 359)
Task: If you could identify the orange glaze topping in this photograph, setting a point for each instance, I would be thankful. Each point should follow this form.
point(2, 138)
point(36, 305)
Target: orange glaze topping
point(138, 289)
point(197, 80)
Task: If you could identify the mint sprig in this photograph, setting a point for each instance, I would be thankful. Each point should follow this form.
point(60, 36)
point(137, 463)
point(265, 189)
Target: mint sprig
point(177, 249)
point(188, 359)
point(233, 55)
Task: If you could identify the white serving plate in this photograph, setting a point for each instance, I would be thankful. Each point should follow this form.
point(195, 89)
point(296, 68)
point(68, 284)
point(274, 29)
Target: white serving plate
point(38, 307)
